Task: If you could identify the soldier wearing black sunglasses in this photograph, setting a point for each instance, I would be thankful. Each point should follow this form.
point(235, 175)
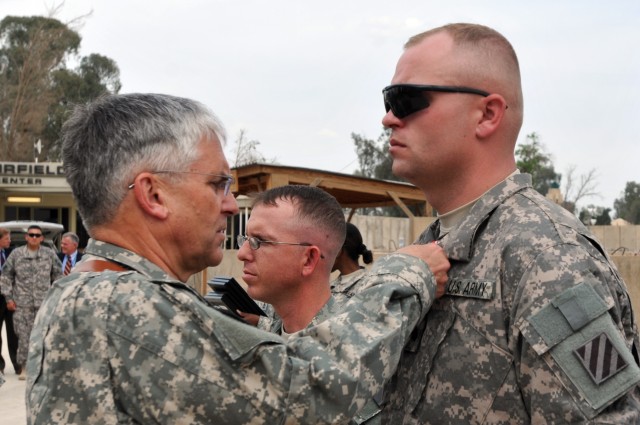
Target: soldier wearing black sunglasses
point(536, 325)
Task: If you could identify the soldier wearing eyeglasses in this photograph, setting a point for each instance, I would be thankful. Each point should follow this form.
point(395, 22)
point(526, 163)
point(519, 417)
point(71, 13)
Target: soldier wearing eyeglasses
point(294, 235)
point(26, 277)
point(123, 338)
point(536, 325)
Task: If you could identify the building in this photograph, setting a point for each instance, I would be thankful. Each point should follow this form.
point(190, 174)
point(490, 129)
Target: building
point(38, 191)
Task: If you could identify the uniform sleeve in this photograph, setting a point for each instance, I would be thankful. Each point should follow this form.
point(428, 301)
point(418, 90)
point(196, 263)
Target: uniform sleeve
point(577, 359)
point(7, 277)
point(56, 267)
point(346, 359)
point(155, 353)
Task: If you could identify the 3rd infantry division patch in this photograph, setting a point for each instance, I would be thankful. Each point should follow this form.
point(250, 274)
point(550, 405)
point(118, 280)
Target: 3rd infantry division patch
point(600, 358)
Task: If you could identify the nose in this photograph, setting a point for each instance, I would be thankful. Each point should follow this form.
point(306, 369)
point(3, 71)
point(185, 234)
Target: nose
point(230, 205)
point(244, 252)
point(389, 120)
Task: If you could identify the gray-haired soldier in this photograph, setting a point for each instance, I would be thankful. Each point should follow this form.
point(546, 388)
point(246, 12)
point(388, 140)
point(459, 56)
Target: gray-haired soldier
point(536, 325)
point(123, 340)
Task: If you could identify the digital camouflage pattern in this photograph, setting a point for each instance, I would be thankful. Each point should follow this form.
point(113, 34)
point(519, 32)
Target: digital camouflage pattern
point(273, 323)
point(26, 280)
point(528, 289)
point(342, 289)
point(141, 347)
point(344, 286)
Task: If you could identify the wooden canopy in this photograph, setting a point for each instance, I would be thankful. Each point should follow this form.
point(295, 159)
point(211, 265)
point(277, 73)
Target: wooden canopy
point(351, 191)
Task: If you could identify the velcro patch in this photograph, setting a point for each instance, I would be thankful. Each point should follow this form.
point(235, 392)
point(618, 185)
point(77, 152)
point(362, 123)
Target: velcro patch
point(471, 288)
point(600, 358)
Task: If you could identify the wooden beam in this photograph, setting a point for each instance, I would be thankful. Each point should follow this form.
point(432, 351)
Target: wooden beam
point(401, 204)
point(315, 182)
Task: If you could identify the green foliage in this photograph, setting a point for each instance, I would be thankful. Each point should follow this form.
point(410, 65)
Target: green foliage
point(373, 156)
point(595, 215)
point(375, 162)
point(37, 90)
point(95, 76)
point(628, 206)
point(531, 158)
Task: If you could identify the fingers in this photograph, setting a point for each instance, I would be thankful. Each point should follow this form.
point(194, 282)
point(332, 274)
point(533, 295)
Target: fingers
point(11, 306)
point(436, 259)
point(441, 283)
point(251, 319)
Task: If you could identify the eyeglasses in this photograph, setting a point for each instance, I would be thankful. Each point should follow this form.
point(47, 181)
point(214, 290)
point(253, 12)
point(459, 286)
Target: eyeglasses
point(405, 99)
point(223, 185)
point(254, 243)
point(34, 235)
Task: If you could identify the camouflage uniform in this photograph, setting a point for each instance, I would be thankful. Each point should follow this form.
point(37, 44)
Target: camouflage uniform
point(530, 296)
point(141, 347)
point(273, 322)
point(343, 287)
point(26, 280)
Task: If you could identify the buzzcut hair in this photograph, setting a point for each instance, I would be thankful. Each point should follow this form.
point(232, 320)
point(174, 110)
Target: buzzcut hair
point(494, 61)
point(313, 206)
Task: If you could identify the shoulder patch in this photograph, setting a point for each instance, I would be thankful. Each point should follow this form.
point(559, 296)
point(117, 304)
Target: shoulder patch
point(471, 288)
point(600, 358)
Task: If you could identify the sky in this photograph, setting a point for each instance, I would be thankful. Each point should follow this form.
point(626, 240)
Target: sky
point(300, 77)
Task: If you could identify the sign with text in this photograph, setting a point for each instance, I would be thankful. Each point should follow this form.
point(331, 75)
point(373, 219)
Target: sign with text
point(30, 174)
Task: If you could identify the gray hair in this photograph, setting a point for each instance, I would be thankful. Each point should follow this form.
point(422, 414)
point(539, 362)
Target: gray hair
point(71, 236)
point(109, 141)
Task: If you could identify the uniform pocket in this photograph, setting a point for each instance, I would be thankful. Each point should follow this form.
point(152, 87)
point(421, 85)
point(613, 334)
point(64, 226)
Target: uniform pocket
point(579, 341)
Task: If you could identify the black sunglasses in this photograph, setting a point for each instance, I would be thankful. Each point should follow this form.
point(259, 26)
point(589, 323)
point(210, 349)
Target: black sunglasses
point(405, 99)
point(34, 235)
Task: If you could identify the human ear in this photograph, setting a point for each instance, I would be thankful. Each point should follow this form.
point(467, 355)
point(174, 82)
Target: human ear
point(312, 256)
point(494, 108)
point(150, 195)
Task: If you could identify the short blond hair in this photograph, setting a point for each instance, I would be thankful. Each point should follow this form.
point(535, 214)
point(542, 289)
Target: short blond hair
point(491, 59)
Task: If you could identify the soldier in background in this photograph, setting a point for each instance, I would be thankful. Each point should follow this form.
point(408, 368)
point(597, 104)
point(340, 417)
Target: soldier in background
point(26, 277)
point(293, 236)
point(124, 339)
point(536, 325)
point(6, 316)
point(348, 281)
point(69, 254)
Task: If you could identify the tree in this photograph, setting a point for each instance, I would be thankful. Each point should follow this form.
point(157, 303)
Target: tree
point(531, 158)
point(373, 156)
point(95, 76)
point(628, 206)
point(375, 162)
point(246, 151)
point(585, 187)
point(37, 89)
point(595, 215)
